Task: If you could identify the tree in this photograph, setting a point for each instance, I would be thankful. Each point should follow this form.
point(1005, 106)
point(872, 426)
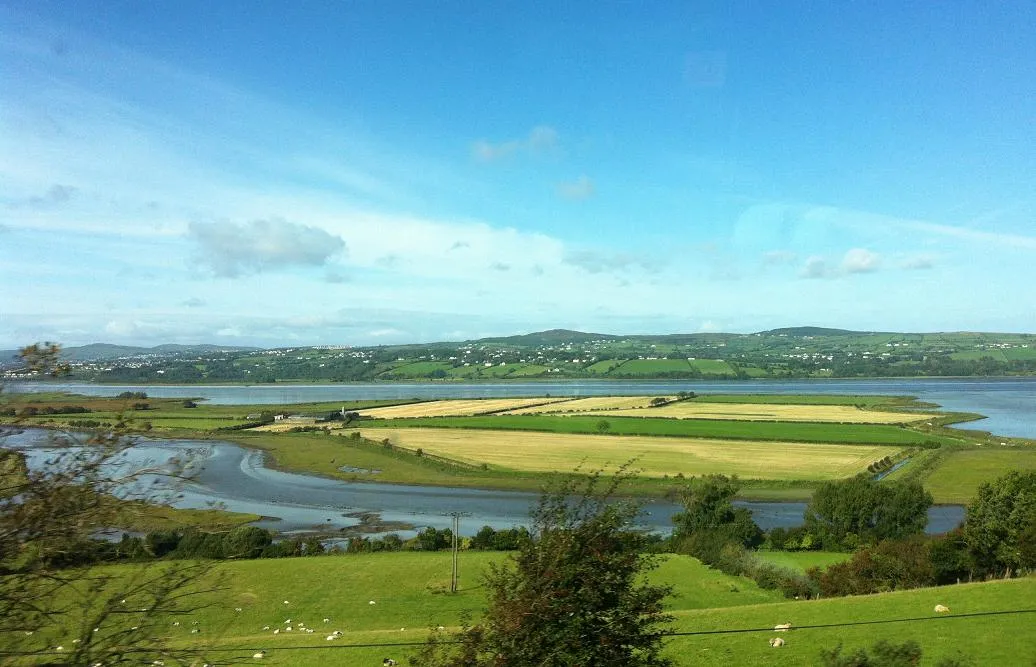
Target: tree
point(1000, 529)
point(710, 516)
point(573, 594)
point(48, 515)
point(847, 513)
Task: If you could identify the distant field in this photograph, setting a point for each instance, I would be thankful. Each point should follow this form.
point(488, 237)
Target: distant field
point(651, 367)
point(872, 434)
point(807, 399)
point(588, 404)
point(772, 412)
point(711, 366)
point(448, 408)
point(656, 457)
point(960, 473)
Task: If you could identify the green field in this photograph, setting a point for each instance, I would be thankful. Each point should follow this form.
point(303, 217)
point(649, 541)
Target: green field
point(407, 591)
point(801, 561)
point(871, 434)
point(958, 474)
point(651, 367)
point(712, 366)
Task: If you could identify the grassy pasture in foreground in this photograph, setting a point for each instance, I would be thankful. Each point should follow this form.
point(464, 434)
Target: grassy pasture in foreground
point(406, 588)
point(655, 457)
point(872, 434)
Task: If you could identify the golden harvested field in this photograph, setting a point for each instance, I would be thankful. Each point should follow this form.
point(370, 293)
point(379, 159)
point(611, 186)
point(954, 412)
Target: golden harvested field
point(770, 412)
point(655, 456)
point(592, 404)
point(454, 408)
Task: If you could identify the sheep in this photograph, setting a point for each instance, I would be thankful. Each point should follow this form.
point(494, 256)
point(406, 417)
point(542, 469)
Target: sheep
point(277, 631)
point(388, 662)
point(337, 633)
point(331, 638)
point(372, 602)
point(237, 609)
point(941, 609)
point(287, 629)
point(266, 627)
point(327, 620)
point(782, 627)
point(286, 602)
point(195, 631)
point(176, 624)
point(260, 655)
point(776, 642)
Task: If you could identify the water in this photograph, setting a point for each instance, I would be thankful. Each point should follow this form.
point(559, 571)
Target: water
point(235, 478)
point(1009, 404)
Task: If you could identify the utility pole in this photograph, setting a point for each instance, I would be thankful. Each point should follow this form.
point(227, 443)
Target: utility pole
point(455, 574)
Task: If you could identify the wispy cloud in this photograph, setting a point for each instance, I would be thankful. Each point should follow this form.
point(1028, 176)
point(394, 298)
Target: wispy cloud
point(920, 262)
point(540, 140)
point(230, 250)
point(816, 267)
point(579, 189)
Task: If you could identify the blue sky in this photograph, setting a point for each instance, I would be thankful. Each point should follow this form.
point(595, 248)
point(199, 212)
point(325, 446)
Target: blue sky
point(380, 172)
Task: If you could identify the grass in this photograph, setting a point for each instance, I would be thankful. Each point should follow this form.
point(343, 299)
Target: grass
point(872, 434)
point(461, 407)
point(810, 399)
point(712, 366)
point(773, 412)
point(958, 474)
point(655, 457)
point(592, 403)
point(800, 561)
point(651, 367)
point(406, 589)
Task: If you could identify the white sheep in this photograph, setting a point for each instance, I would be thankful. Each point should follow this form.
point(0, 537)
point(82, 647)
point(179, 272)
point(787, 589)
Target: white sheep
point(372, 602)
point(277, 631)
point(331, 638)
point(260, 655)
point(266, 627)
point(941, 609)
point(327, 620)
point(782, 627)
point(776, 642)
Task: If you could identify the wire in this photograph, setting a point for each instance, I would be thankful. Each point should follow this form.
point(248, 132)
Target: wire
point(691, 633)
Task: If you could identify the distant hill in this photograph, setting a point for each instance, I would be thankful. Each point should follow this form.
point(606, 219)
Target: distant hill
point(103, 351)
point(550, 337)
point(813, 331)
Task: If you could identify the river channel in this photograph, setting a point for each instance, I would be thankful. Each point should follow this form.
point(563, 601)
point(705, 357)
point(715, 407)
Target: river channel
point(236, 479)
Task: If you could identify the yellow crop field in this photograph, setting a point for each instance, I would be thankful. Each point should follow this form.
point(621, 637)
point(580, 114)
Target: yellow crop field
point(532, 451)
point(454, 408)
point(771, 412)
point(594, 403)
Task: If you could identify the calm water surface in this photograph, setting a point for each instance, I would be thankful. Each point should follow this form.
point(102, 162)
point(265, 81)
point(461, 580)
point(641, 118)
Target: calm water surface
point(236, 479)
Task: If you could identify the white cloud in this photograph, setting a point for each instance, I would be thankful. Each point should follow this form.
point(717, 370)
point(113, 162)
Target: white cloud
point(581, 188)
point(231, 250)
point(860, 260)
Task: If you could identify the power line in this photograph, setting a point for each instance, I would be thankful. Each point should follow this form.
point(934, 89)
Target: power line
point(690, 633)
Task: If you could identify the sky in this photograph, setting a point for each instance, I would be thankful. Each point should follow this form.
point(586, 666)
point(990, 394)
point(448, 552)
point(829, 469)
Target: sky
point(377, 172)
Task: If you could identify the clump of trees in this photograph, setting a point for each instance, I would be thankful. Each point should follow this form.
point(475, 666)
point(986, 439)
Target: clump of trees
point(846, 514)
point(573, 594)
